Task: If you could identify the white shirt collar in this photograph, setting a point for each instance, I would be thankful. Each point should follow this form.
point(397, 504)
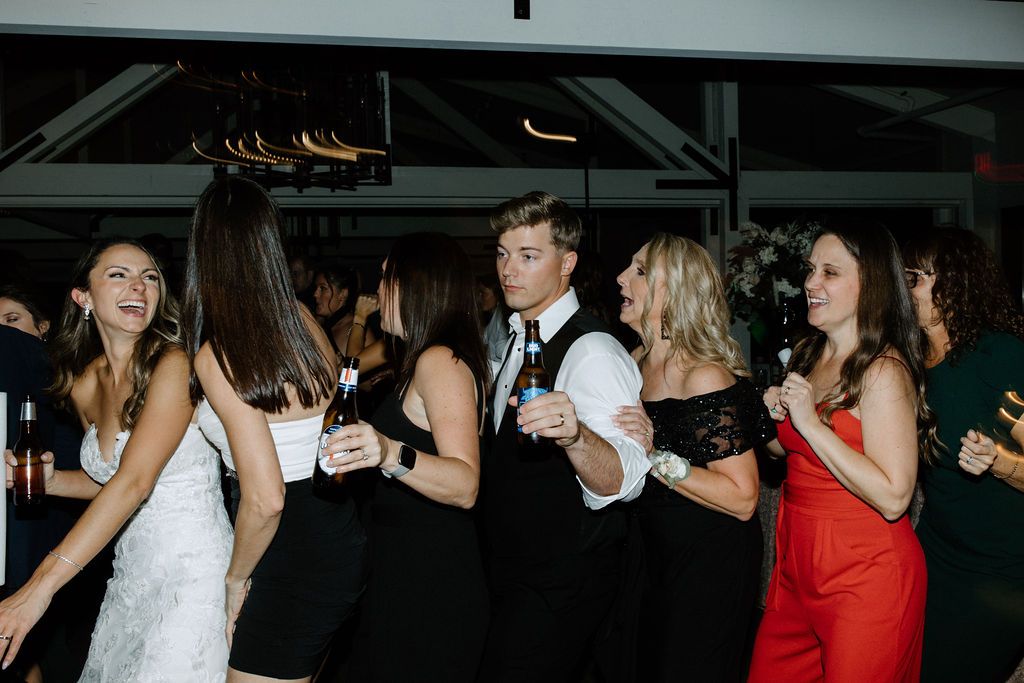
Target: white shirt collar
point(553, 317)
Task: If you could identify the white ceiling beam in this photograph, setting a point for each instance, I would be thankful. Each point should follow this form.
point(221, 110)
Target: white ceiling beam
point(163, 186)
point(641, 124)
point(87, 115)
point(868, 188)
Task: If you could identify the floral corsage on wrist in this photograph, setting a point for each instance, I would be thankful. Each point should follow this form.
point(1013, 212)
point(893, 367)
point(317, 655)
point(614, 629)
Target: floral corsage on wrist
point(672, 468)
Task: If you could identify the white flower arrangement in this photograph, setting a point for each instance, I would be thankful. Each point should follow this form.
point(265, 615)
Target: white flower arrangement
point(673, 468)
point(767, 267)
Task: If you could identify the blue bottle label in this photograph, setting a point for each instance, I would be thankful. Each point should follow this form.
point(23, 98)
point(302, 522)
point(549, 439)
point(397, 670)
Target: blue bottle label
point(533, 347)
point(528, 394)
point(321, 458)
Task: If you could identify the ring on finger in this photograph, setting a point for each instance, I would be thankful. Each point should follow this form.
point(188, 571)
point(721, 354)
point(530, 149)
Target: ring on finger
point(563, 420)
point(365, 456)
point(970, 460)
point(5, 637)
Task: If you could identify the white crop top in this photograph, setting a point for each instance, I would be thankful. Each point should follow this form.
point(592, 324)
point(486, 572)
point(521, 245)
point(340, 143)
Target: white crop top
point(297, 442)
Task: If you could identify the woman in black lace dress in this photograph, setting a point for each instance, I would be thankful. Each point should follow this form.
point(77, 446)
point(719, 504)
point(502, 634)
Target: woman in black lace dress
point(701, 538)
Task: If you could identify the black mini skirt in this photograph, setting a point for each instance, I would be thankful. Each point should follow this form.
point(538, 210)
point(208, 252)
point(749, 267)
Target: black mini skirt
point(304, 587)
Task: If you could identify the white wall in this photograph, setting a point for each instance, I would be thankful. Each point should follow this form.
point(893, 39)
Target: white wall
point(941, 32)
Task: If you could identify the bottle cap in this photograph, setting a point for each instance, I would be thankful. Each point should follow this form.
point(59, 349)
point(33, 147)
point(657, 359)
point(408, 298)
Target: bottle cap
point(28, 409)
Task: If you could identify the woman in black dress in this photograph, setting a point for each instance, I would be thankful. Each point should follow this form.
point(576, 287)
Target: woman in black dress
point(425, 611)
point(702, 540)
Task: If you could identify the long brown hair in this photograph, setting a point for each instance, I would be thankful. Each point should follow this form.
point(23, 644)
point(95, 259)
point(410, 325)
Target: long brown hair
point(437, 301)
point(239, 297)
point(970, 292)
point(886, 322)
point(77, 342)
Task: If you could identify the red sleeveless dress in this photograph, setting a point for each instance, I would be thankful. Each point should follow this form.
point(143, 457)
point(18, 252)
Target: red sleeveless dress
point(847, 594)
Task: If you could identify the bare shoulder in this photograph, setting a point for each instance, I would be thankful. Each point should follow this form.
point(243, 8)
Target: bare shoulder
point(85, 391)
point(888, 372)
point(707, 378)
point(173, 359)
point(206, 362)
point(439, 359)
point(318, 334)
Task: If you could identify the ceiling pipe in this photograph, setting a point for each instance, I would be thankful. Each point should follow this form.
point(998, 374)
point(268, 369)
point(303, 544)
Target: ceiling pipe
point(872, 129)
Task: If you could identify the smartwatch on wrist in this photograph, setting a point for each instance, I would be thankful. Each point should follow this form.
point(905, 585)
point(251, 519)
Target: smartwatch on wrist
point(406, 461)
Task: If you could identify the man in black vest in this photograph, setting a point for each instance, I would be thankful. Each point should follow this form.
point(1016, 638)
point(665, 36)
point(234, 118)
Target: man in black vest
point(554, 536)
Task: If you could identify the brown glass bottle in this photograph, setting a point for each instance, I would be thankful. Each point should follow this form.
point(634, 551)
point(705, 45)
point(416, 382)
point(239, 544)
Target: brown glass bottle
point(29, 478)
point(532, 380)
point(341, 412)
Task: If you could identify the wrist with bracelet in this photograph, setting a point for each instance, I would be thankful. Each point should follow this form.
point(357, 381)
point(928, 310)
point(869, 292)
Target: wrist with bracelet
point(1012, 472)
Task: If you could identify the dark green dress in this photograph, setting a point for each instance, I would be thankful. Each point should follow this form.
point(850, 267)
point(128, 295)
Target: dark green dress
point(972, 528)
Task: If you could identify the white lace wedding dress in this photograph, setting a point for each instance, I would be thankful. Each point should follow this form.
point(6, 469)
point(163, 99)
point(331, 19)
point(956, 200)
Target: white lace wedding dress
point(162, 617)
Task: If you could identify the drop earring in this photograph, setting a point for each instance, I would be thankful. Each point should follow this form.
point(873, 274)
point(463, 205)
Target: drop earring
point(88, 311)
point(664, 334)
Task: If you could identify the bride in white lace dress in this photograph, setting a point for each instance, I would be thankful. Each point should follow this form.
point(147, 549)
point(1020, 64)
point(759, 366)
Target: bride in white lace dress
point(153, 475)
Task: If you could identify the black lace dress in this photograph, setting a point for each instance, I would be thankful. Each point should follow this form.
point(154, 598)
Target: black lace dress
point(703, 566)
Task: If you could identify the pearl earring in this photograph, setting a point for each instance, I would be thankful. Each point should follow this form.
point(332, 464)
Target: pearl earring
point(88, 310)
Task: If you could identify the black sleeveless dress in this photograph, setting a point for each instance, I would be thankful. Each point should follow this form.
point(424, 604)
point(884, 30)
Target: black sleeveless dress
point(703, 566)
point(425, 611)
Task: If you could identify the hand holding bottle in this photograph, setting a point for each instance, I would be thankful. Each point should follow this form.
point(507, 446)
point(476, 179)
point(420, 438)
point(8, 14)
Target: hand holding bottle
point(48, 470)
point(356, 446)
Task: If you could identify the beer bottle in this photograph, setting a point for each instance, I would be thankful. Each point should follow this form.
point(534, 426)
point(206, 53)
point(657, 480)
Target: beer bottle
point(29, 478)
point(533, 380)
point(341, 412)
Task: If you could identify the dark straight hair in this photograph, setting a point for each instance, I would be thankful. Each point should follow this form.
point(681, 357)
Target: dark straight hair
point(886, 320)
point(437, 301)
point(239, 297)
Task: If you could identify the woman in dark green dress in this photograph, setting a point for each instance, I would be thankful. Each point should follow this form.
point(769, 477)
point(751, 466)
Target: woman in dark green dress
point(972, 522)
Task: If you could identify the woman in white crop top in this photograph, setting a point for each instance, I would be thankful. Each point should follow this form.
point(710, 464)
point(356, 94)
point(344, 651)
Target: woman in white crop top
point(265, 372)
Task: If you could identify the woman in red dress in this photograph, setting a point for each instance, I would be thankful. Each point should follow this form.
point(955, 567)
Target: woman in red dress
point(846, 600)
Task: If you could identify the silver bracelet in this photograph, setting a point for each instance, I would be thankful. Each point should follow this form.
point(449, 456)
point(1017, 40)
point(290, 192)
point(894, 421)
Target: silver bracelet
point(1010, 475)
point(71, 562)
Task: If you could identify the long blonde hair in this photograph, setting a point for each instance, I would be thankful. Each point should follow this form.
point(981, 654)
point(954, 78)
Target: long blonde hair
point(695, 316)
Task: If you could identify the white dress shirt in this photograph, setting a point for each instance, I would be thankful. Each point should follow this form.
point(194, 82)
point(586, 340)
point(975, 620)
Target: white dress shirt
point(599, 376)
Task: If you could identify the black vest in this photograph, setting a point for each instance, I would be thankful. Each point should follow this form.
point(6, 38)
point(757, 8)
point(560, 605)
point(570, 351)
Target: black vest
point(537, 527)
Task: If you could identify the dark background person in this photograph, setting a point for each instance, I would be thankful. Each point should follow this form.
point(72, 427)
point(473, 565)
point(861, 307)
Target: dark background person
point(24, 370)
point(702, 541)
point(426, 576)
point(19, 310)
point(303, 270)
point(335, 290)
point(554, 532)
point(493, 316)
point(846, 600)
point(972, 522)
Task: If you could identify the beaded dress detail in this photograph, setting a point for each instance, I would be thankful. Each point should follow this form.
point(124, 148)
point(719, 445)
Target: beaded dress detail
point(162, 617)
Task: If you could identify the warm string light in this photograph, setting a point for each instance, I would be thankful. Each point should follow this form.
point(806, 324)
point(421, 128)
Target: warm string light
point(304, 150)
point(547, 136)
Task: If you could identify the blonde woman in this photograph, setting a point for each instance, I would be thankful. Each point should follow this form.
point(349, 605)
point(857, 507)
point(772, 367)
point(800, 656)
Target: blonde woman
point(702, 540)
